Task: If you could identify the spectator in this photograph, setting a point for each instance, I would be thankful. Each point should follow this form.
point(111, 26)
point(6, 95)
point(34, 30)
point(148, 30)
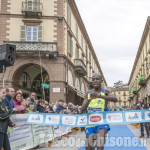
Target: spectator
point(141, 106)
point(51, 105)
point(65, 106)
point(33, 100)
point(59, 108)
point(79, 109)
point(55, 106)
point(148, 106)
point(27, 101)
point(17, 102)
point(41, 106)
point(70, 105)
point(30, 108)
point(75, 110)
point(19, 91)
point(8, 100)
point(5, 122)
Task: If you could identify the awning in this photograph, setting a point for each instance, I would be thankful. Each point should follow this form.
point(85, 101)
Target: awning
point(71, 88)
point(79, 93)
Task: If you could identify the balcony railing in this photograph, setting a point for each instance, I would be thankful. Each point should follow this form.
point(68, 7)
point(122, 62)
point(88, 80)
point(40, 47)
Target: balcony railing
point(32, 9)
point(35, 47)
point(80, 67)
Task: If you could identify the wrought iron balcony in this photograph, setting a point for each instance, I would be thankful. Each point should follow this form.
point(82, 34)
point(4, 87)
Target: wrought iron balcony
point(80, 67)
point(35, 47)
point(32, 9)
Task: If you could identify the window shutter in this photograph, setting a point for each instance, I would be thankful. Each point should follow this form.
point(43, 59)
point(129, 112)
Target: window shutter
point(71, 47)
point(22, 33)
point(40, 34)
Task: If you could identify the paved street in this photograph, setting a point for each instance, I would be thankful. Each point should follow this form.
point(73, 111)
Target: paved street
point(136, 132)
point(80, 137)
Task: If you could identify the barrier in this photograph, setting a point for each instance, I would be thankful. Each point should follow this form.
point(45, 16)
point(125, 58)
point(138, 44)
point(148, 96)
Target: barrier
point(91, 119)
point(26, 136)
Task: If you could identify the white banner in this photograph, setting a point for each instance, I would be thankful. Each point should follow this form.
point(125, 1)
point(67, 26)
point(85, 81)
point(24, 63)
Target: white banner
point(27, 136)
point(61, 130)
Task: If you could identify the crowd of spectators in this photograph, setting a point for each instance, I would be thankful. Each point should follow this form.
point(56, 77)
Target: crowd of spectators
point(32, 104)
point(13, 102)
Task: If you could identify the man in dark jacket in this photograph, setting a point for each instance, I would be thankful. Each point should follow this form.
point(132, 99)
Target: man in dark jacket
point(8, 100)
point(141, 106)
point(5, 122)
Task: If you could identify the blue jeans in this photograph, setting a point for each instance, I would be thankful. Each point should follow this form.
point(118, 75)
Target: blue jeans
point(146, 127)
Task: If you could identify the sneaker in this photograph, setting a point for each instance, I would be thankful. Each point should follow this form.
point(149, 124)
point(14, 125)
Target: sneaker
point(141, 136)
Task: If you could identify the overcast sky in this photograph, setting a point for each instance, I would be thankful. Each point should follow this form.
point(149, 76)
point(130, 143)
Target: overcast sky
point(115, 28)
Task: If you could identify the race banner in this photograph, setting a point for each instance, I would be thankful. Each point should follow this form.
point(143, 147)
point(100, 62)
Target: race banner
point(90, 119)
point(26, 136)
point(61, 130)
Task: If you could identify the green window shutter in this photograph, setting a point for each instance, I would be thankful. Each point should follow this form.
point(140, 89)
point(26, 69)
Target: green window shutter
point(71, 47)
point(22, 33)
point(40, 34)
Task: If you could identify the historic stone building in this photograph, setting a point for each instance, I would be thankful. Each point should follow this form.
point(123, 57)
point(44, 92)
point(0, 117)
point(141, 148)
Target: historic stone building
point(139, 82)
point(122, 94)
point(53, 48)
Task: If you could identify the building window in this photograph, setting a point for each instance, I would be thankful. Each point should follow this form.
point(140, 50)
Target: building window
point(124, 104)
point(120, 103)
point(32, 5)
point(89, 57)
point(32, 33)
point(82, 41)
point(77, 53)
point(38, 85)
point(24, 79)
point(69, 17)
point(124, 94)
point(146, 47)
point(70, 45)
point(77, 31)
point(86, 51)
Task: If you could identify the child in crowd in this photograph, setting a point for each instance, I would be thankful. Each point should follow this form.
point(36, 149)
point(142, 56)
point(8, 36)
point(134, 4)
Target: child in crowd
point(5, 122)
point(30, 108)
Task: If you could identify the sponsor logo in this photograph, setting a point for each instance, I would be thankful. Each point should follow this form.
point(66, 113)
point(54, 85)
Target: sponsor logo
point(49, 118)
point(95, 118)
point(36, 118)
point(82, 121)
point(99, 101)
point(109, 118)
point(133, 117)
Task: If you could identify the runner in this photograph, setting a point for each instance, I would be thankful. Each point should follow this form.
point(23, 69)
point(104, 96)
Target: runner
point(96, 101)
